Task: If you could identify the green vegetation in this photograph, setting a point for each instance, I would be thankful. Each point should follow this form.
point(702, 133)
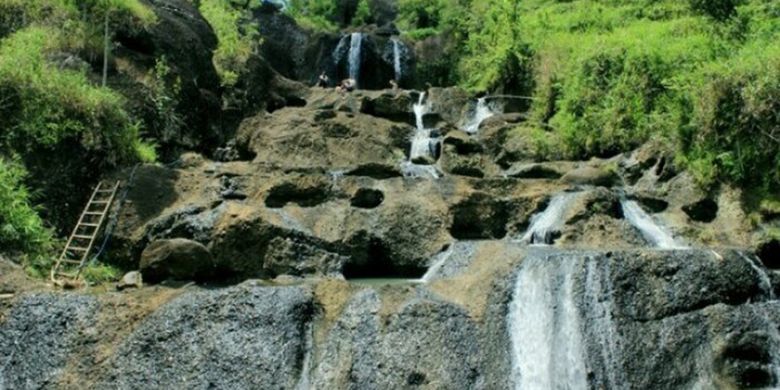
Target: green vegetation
point(605, 76)
point(48, 109)
point(98, 273)
point(21, 229)
point(317, 15)
point(237, 37)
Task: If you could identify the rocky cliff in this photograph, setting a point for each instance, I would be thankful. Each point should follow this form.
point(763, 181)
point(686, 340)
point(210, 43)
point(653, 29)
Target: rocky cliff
point(328, 256)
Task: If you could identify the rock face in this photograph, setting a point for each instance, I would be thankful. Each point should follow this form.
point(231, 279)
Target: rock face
point(301, 55)
point(177, 258)
point(234, 347)
point(703, 318)
point(187, 42)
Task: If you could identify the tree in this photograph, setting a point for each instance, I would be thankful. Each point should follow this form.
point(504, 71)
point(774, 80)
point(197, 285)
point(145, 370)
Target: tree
point(103, 10)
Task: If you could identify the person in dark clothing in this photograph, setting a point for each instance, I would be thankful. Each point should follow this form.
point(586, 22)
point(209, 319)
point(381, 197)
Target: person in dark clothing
point(323, 80)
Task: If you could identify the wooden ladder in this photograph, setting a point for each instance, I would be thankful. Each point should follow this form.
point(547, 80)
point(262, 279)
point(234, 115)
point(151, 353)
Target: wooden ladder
point(67, 268)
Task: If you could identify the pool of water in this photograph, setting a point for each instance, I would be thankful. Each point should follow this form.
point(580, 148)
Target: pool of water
point(378, 282)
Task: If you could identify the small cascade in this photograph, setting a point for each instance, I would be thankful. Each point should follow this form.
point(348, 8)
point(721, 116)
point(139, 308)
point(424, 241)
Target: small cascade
point(354, 57)
point(335, 177)
point(481, 112)
point(397, 59)
point(451, 261)
point(545, 329)
point(304, 382)
point(545, 225)
point(423, 144)
point(438, 262)
point(766, 282)
point(654, 233)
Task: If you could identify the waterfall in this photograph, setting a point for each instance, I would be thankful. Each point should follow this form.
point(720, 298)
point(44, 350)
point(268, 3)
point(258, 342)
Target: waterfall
point(397, 59)
point(481, 112)
point(355, 44)
point(651, 231)
point(545, 329)
point(766, 282)
point(601, 325)
point(423, 144)
point(438, 262)
point(545, 225)
point(304, 382)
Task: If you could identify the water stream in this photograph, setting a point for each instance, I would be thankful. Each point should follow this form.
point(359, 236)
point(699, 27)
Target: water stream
point(545, 225)
point(766, 282)
point(653, 232)
point(397, 59)
point(354, 57)
point(423, 144)
point(545, 329)
point(304, 382)
point(481, 112)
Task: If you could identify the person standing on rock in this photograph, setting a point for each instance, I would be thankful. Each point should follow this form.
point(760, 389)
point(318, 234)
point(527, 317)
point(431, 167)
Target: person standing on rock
point(394, 86)
point(323, 80)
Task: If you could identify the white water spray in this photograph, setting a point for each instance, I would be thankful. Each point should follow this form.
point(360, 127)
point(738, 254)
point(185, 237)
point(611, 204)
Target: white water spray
point(423, 144)
point(546, 224)
point(545, 329)
point(481, 112)
point(651, 231)
point(304, 382)
point(766, 282)
point(438, 262)
point(355, 45)
point(397, 59)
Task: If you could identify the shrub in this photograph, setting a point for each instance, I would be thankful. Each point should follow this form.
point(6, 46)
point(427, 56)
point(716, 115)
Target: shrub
point(237, 38)
point(717, 9)
point(51, 105)
point(21, 229)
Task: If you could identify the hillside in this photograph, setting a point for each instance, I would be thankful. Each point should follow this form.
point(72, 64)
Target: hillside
point(535, 194)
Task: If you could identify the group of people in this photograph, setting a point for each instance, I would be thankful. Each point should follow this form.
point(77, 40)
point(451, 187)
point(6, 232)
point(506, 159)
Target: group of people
point(346, 85)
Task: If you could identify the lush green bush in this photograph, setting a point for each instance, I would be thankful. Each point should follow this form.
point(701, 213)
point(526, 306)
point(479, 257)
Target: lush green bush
point(718, 9)
point(317, 15)
point(46, 105)
point(21, 229)
point(237, 37)
point(734, 131)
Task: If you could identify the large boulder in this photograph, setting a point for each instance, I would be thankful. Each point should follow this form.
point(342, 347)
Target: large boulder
point(177, 258)
point(241, 337)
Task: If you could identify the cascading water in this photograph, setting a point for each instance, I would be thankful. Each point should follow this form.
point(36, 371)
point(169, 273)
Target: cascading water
point(545, 225)
point(354, 58)
point(651, 231)
point(304, 382)
point(766, 282)
point(438, 262)
point(397, 59)
point(481, 112)
point(423, 144)
point(545, 329)
point(456, 257)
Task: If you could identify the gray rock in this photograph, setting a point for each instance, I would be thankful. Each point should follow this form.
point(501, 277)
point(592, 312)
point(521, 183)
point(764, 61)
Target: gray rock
point(241, 337)
point(177, 258)
point(591, 176)
point(132, 279)
point(39, 337)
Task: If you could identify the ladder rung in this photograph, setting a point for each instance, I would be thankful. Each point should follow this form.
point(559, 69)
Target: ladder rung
point(82, 237)
point(77, 248)
point(99, 202)
point(66, 274)
point(69, 261)
point(93, 213)
point(105, 191)
point(89, 224)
